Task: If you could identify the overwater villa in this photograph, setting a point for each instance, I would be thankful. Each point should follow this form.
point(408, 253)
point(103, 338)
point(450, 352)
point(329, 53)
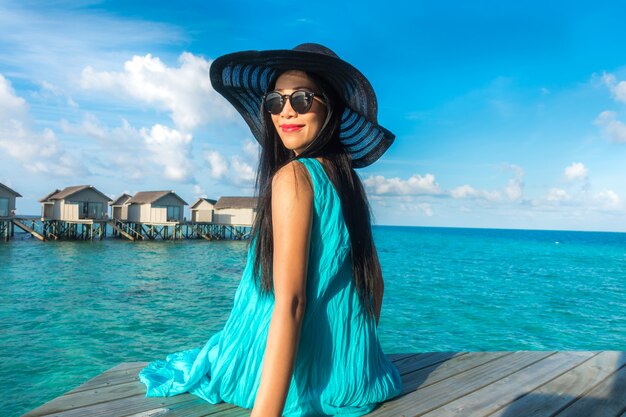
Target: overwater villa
point(75, 203)
point(235, 211)
point(202, 210)
point(154, 207)
point(119, 208)
point(7, 201)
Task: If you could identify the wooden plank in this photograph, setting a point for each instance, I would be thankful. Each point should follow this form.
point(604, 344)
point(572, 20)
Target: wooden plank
point(393, 357)
point(458, 381)
point(438, 372)
point(126, 398)
point(127, 365)
point(119, 407)
point(195, 407)
point(91, 396)
point(423, 360)
point(499, 394)
point(567, 388)
point(606, 399)
point(436, 384)
point(114, 376)
point(120, 230)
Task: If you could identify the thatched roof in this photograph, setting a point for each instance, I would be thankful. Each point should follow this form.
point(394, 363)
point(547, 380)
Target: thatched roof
point(70, 191)
point(236, 202)
point(119, 201)
point(200, 200)
point(149, 197)
point(10, 190)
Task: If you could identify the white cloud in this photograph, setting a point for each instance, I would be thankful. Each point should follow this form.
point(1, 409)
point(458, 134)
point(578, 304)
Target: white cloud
point(415, 185)
point(515, 187)
point(217, 164)
point(577, 171)
point(243, 173)
point(467, 191)
point(50, 90)
point(608, 200)
point(426, 185)
point(11, 106)
point(236, 172)
point(427, 209)
point(557, 195)
point(122, 150)
point(90, 126)
point(513, 191)
point(170, 149)
point(581, 201)
point(39, 152)
point(184, 91)
point(617, 88)
point(463, 191)
point(199, 191)
point(613, 128)
point(252, 150)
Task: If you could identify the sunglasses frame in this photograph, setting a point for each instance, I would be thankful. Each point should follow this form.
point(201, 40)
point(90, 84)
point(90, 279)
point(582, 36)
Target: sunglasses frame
point(284, 97)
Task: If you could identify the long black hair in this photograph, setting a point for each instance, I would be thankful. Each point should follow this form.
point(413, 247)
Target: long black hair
point(367, 275)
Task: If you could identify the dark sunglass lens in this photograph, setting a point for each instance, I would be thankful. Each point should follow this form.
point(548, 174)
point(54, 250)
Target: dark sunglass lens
point(301, 101)
point(274, 103)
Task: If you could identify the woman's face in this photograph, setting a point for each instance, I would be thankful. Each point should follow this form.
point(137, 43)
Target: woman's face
point(295, 130)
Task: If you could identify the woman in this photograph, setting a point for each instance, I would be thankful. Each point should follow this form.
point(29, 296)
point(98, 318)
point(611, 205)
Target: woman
point(302, 336)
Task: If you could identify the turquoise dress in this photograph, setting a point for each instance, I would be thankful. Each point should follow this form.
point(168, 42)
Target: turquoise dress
point(340, 368)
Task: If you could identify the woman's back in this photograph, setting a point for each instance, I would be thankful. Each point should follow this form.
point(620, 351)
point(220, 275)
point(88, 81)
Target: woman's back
point(340, 368)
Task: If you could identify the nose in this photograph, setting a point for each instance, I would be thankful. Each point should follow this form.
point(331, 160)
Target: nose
point(288, 111)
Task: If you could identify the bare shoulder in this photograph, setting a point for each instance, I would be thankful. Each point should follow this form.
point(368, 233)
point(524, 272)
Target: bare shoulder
point(292, 179)
point(292, 204)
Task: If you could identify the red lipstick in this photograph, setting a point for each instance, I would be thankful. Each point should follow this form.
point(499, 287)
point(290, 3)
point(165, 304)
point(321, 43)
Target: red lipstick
point(290, 128)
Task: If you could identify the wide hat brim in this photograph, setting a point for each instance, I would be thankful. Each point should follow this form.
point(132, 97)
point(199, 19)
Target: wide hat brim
point(243, 78)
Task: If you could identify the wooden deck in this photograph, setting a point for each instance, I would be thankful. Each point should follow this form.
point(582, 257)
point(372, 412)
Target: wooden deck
point(437, 384)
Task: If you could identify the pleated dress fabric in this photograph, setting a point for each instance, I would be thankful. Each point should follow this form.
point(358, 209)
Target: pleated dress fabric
point(340, 368)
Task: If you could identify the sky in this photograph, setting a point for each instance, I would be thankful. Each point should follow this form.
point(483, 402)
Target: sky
point(506, 114)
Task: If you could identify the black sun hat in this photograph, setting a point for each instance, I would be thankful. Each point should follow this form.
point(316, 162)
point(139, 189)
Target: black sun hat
point(243, 78)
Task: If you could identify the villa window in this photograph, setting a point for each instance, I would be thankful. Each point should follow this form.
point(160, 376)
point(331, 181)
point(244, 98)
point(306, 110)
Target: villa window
point(90, 210)
point(4, 207)
point(173, 213)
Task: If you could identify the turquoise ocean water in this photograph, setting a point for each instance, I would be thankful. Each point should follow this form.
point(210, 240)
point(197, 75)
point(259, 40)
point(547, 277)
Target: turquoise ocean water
point(70, 310)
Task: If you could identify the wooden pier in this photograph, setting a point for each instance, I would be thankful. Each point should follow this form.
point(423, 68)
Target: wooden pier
point(21, 223)
point(92, 229)
point(6, 228)
point(436, 384)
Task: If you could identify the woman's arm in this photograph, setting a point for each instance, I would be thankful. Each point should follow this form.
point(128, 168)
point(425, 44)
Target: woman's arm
point(292, 214)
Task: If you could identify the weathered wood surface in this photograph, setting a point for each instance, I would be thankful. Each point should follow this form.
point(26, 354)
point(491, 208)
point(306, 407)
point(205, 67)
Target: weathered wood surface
point(436, 384)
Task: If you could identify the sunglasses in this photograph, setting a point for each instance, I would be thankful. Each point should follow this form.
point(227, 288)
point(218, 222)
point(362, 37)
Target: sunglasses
point(301, 101)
